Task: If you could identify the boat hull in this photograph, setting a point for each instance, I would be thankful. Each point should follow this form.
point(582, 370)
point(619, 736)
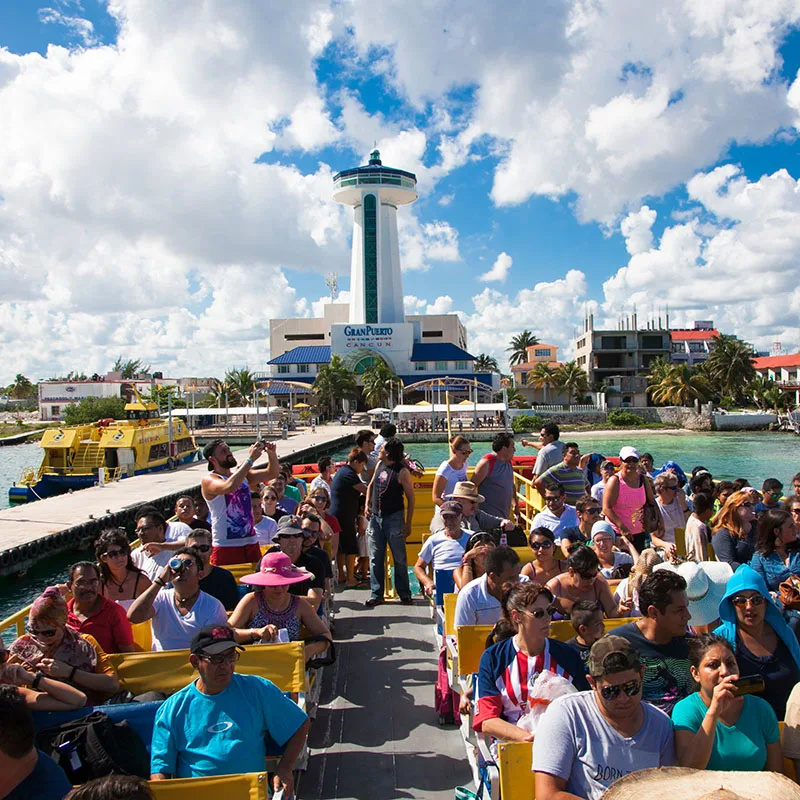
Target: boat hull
point(52, 485)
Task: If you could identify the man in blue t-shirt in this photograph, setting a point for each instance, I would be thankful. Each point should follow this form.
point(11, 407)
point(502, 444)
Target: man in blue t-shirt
point(217, 725)
point(25, 772)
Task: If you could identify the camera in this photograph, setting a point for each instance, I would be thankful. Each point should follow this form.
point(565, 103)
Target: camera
point(177, 565)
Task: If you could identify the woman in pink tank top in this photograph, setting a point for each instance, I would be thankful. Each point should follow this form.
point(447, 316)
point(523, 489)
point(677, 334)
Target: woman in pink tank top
point(624, 498)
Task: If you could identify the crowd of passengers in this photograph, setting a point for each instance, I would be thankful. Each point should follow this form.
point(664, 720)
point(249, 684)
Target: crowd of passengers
point(660, 689)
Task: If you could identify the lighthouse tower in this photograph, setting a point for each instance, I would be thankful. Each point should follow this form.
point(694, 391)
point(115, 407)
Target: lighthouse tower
point(374, 192)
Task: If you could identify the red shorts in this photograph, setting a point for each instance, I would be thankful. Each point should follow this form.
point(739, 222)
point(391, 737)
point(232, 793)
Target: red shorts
point(220, 556)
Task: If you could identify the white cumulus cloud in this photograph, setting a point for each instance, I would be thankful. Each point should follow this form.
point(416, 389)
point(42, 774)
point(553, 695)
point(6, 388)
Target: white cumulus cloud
point(499, 270)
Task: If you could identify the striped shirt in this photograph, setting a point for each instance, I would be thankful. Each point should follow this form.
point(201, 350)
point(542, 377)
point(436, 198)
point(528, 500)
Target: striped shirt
point(573, 481)
point(506, 675)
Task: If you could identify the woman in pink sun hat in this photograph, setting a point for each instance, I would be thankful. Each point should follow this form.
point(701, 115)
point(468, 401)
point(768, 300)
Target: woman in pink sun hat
point(264, 613)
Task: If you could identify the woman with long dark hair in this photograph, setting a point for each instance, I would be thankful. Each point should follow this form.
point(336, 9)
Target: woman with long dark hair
point(122, 580)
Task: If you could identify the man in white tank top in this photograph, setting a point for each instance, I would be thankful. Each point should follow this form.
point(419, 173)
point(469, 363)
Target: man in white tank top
point(227, 493)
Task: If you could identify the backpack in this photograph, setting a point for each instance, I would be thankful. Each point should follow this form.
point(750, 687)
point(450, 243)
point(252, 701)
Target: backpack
point(93, 746)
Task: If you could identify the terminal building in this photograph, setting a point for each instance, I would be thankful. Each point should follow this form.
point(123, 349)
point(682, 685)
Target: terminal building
point(373, 327)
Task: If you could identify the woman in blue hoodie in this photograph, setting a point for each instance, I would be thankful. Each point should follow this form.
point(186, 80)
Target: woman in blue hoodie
point(763, 642)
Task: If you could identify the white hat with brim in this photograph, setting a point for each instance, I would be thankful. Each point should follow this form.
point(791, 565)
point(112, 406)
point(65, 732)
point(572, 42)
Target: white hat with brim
point(705, 587)
point(667, 783)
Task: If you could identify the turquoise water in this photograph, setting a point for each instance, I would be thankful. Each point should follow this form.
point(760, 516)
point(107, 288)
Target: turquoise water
point(754, 456)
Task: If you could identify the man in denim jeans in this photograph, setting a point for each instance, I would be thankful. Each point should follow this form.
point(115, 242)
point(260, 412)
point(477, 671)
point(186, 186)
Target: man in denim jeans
point(389, 520)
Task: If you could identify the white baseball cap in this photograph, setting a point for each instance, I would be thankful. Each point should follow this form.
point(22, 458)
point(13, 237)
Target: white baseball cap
point(628, 452)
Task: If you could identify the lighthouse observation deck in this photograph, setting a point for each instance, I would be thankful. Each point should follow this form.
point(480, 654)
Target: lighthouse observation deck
point(395, 185)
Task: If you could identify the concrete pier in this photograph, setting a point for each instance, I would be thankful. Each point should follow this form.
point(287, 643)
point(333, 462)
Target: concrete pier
point(32, 531)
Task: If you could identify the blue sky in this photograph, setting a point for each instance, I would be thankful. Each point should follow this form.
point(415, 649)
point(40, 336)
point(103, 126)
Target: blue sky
point(165, 183)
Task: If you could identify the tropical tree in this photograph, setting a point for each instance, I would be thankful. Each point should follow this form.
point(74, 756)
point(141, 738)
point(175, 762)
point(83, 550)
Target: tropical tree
point(160, 395)
point(570, 378)
point(515, 398)
point(130, 368)
point(542, 376)
point(241, 386)
point(729, 366)
point(681, 386)
point(485, 363)
point(758, 389)
point(659, 367)
point(334, 382)
point(518, 347)
point(22, 387)
point(776, 398)
point(91, 409)
point(379, 383)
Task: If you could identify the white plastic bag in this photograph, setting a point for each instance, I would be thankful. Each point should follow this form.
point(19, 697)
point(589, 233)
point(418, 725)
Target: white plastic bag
point(546, 687)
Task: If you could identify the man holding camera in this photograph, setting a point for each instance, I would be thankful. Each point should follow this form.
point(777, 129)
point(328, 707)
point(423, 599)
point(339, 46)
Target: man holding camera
point(177, 613)
point(227, 493)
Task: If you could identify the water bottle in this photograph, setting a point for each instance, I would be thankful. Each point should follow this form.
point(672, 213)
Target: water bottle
point(283, 635)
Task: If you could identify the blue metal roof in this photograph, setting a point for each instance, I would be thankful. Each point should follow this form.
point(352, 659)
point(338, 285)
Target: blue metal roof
point(439, 351)
point(316, 354)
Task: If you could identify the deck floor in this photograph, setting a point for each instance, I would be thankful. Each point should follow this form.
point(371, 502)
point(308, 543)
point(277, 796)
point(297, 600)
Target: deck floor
point(376, 734)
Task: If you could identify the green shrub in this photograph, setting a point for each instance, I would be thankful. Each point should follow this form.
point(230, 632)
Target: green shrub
point(91, 409)
point(525, 423)
point(624, 419)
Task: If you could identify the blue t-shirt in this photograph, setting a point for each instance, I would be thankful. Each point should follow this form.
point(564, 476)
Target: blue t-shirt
point(47, 782)
point(740, 747)
point(197, 734)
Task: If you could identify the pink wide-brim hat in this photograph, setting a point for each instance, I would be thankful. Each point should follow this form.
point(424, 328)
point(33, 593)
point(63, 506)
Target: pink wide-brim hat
point(276, 569)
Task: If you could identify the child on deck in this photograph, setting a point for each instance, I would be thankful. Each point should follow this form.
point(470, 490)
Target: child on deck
point(697, 535)
point(587, 619)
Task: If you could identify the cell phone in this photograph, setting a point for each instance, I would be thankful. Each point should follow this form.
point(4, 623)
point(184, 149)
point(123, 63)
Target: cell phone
point(748, 684)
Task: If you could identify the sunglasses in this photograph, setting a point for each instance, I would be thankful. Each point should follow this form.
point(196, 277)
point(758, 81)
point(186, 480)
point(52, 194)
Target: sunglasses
point(740, 601)
point(46, 632)
point(115, 553)
point(631, 460)
point(231, 656)
point(318, 498)
point(670, 488)
point(591, 511)
point(796, 511)
point(270, 498)
point(465, 452)
point(290, 536)
point(631, 688)
point(541, 545)
point(554, 499)
point(538, 613)
point(202, 548)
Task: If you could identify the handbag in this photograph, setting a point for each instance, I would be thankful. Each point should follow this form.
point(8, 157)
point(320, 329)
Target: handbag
point(324, 659)
point(789, 595)
point(651, 516)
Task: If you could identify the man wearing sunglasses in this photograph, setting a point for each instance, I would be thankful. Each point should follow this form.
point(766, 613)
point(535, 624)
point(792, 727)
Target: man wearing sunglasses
point(216, 581)
point(181, 611)
point(771, 491)
point(586, 741)
point(556, 515)
point(219, 724)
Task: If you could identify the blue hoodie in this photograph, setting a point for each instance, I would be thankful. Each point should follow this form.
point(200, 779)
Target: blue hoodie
point(747, 579)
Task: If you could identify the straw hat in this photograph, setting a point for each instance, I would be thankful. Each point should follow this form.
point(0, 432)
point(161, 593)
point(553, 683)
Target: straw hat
point(668, 783)
point(468, 490)
point(705, 587)
point(276, 569)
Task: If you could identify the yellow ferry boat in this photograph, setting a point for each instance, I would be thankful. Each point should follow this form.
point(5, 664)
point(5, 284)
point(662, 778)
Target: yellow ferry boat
point(77, 456)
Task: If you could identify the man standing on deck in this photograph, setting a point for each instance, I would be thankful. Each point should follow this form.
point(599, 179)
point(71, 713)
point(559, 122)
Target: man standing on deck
point(365, 442)
point(228, 496)
point(494, 477)
point(549, 446)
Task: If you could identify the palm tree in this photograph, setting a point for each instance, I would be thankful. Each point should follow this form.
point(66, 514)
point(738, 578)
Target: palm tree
point(542, 376)
point(22, 387)
point(570, 378)
point(241, 386)
point(515, 398)
point(130, 368)
point(377, 380)
point(681, 386)
point(775, 398)
point(730, 366)
point(334, 382)
point(485, 363)
point(519, 345)
point(757, 389)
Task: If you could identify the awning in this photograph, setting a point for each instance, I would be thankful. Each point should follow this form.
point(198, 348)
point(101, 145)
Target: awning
point(441, 408)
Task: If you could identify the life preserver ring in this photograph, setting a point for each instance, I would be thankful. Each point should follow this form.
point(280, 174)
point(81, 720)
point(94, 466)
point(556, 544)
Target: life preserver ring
point(104, 423)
